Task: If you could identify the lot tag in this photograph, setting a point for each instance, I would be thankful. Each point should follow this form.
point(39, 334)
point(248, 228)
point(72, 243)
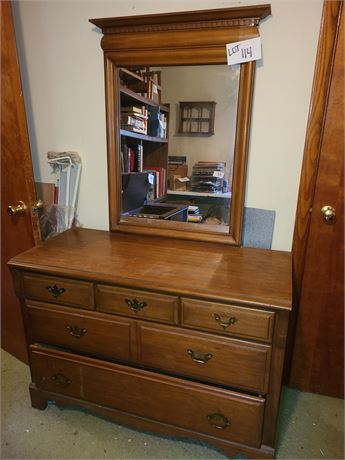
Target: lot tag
point(244, 51)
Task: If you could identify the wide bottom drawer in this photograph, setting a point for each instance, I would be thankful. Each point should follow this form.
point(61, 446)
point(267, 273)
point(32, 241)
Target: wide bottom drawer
point(203, 408)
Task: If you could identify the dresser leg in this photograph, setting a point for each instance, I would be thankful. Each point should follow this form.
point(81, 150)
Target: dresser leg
point(231, 451)
point(37, 400)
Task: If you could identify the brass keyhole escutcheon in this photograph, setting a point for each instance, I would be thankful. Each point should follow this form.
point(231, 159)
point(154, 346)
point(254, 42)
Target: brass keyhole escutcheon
point(76, 331)
point(135, 304)
point(61, 380)
point(55, 291)
point(328, 214)
point(219, 421)
point(15, 210)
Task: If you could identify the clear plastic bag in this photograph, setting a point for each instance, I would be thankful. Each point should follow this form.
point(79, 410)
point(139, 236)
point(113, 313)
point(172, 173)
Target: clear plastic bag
point(56, 219)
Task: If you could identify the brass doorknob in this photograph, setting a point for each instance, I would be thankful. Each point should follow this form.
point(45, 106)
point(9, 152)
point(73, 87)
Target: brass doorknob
point(19, 209)
point(328, 214)
point(37, 205)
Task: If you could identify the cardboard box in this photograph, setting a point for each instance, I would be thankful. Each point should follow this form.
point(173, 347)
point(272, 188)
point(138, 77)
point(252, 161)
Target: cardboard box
point(178, 170)
point(176, 184)
point(174, 172)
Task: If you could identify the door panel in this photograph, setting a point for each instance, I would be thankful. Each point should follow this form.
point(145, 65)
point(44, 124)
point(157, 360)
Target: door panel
point(318, 358)
point(21, 231)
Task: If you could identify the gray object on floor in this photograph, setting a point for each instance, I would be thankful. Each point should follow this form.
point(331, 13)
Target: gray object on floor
point(311, 426)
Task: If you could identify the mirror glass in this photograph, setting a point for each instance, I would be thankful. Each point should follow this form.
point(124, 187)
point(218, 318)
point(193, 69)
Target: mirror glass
point(177, 139)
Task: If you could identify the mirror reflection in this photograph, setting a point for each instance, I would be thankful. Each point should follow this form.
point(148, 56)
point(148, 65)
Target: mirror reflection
point(177, 131)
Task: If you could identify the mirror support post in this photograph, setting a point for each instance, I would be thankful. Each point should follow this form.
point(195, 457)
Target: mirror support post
point(242, 141)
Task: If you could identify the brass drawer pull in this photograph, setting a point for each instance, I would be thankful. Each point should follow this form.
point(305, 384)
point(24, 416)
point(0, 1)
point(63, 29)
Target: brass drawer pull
point(198, 357)
point(55, 291)
point(224, 323)
point(219, 421)
point(61, 380)
point(135, 304)
point(76, 331)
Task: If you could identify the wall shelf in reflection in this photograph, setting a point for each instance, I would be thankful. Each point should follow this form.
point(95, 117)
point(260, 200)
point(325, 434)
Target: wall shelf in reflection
point(143, 137)
point(128, 96)
point(190, 193)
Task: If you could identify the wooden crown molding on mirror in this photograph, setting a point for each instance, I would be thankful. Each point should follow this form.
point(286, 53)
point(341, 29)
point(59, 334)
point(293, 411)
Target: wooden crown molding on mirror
point(173, 39)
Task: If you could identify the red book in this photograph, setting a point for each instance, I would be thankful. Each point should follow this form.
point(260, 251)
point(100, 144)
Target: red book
point(131, 159)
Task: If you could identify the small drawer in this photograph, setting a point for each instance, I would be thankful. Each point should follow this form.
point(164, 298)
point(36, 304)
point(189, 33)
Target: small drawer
point(93, 333)
point(138, 304)
point(201, 408)
point(228, 319)
point(58, 290)
point(222, 360)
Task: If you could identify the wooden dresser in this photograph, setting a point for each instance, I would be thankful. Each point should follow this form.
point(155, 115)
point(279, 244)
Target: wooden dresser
point(182, 338)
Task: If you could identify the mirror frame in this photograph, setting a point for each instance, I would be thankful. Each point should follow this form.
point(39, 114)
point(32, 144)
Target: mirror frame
point(186, 38)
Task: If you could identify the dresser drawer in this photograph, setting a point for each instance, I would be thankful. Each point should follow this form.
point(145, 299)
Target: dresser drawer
point(201, 408)
point(228, 319)
point(58, 290)
point(92, 334)
point(138, 304)
point(222, 360)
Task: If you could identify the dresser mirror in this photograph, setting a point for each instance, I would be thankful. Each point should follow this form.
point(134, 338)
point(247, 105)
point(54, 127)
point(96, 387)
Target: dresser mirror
point(176, 158)
point(178, 122)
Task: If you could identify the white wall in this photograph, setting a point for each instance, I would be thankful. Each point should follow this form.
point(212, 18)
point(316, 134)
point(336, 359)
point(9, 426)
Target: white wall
point(217, 83)
point(62, 70)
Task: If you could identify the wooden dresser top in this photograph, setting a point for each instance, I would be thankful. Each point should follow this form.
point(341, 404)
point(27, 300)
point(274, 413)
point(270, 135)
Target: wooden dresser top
point(204, 270)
